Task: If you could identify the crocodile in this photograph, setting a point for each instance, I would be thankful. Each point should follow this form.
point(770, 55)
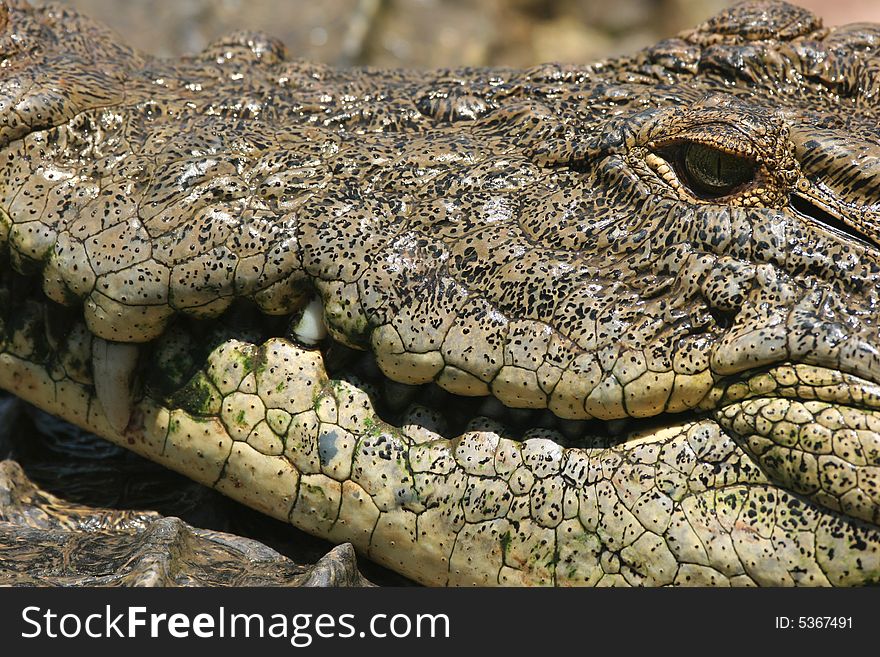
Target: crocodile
point(607, 324)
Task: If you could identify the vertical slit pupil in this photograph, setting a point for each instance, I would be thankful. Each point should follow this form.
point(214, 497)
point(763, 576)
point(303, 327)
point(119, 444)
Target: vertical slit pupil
point(710, 172)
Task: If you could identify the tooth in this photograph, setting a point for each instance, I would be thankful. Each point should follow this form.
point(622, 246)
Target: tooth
point(113, 366)
point(310, 329)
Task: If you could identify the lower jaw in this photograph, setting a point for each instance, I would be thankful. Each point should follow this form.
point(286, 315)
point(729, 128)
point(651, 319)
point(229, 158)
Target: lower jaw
point(682, 504)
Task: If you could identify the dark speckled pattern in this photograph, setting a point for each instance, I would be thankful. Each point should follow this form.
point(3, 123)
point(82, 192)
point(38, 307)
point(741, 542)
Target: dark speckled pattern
point(528, 235)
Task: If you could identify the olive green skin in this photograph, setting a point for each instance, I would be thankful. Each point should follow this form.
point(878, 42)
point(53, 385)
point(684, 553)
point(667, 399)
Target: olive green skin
point(686, 236)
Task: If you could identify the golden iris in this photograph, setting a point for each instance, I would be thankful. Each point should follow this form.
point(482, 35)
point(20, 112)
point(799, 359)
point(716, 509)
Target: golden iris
point(712, 172)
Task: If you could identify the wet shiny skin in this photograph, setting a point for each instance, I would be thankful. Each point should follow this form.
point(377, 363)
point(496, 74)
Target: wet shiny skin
point(524, 235)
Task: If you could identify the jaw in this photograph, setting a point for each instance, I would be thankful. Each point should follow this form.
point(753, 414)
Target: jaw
point(758, 483)
point(698, 499)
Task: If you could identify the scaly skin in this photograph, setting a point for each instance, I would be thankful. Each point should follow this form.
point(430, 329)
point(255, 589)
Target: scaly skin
point(523, 235)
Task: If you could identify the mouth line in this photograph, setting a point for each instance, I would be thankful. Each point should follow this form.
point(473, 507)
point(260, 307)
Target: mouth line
point(164, 369)
point(450, 415)
point(167, 366)
point(317, 437)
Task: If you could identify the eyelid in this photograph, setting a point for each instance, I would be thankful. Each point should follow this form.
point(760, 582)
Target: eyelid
point(678, 145)
point(720, 136)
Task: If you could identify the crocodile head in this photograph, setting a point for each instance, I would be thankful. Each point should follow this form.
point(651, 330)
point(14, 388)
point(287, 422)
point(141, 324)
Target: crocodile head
point(607, 324)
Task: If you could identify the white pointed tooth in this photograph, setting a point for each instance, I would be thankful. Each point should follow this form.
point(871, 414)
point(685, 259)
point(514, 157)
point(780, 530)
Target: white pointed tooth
point(310, 329)
point(113, 366)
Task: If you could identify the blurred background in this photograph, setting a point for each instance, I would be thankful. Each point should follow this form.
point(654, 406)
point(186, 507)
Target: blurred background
point(428, 33)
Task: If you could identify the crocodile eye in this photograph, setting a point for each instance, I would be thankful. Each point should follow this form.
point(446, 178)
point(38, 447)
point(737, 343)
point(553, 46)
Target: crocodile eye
point(712, 173)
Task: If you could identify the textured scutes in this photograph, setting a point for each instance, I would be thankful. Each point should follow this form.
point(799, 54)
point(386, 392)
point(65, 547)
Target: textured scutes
point(761, 20)
point(47, 541)
point(679, 505)
point(45, 86)
point(517, 231)
point(837, 59)
point(654, 248)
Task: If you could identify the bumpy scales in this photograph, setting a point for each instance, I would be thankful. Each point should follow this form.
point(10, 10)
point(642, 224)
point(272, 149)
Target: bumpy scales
point(610, 324)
